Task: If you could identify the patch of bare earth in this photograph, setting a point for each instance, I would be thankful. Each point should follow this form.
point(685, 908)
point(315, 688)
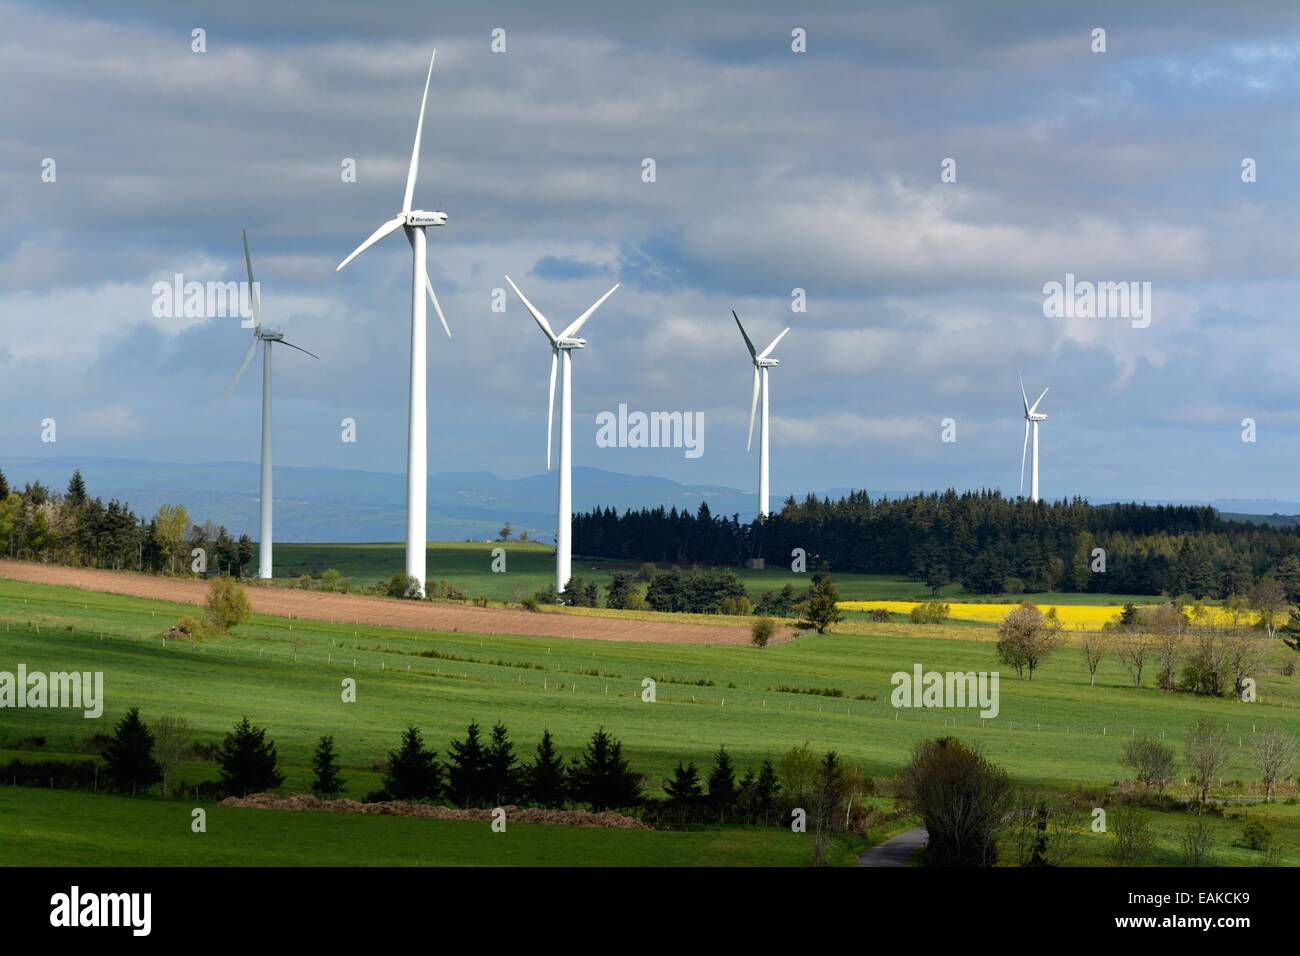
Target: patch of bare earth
point(401, 808)
point(390, 612)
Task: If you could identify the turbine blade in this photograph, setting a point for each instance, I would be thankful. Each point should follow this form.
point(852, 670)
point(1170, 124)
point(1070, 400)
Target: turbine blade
point(428, 285)
point(415, 150)
point(375, 236)
point(753, 407)
point(550, 406)
point(248, 357)
point(1023, 450)
point(252, 288)
point(299, 348)
point(748, 344)
point(768, 351)
point(537, 316)
point(574, 326)
point(1023, 397)
point(1033, 408)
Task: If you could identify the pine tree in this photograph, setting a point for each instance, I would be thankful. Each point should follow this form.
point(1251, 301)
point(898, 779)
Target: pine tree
point(684, 790)
point(602, 778)
point(766, 788)
point(76, 495)
point(247, 761)
point(501, 775)
point(413, 773)
point(4, 486)
point(326, 781)
point(129, 763)
point(722, 783)
point(547, 786)
point(466, 769)
point(245, 551)
point(820, 608)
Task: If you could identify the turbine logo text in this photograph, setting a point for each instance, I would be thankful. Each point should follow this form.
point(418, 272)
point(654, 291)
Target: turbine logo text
point(653, 430)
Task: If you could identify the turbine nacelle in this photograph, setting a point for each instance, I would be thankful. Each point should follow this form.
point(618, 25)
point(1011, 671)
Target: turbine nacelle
point(766, 363)
point(570, 343)
point(1035, 417)
point(419, 218)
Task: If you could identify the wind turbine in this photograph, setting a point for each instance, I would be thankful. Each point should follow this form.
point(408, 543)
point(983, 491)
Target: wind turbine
point(562, 344)
point(1032, 417)
point(267, 337)
point(415, 221)
point(761, 364)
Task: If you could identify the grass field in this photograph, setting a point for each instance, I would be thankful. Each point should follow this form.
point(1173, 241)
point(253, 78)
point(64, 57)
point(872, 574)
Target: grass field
point(66, 828)
point(1055, 731)
point(531, 567)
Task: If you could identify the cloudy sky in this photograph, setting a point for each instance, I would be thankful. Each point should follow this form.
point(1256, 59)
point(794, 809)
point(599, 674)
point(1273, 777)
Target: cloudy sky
point(775, 170)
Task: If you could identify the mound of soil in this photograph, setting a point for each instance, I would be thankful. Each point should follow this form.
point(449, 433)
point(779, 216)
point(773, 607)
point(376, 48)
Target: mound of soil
point(401, 808)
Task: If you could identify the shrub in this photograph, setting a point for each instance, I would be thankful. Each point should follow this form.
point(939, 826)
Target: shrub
point(1013, 586)
point(331, 580)
point(647, 572)
point(529, 603)
point(1256, 835)
point(1197, 843)
point(227, 604)
point(879, 615)
point(961, 796)
point(929, 612)
point(761, 631)
point(1151, 761)
point(1132, 837)
point(403, 585)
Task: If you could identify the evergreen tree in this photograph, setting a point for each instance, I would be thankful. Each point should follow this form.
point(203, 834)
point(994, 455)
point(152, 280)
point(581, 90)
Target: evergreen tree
point(326, 781)
point(501, 775)
point(76, 496)
point(4, 486)
point(547, 786)
point(247, 761)
point(413, 773)
point(684, 790)
point(467, 784)
point(128, 758)
point(722, 783)
point(245, 552)
point(820, 607)
point(621, 588)
point(602, 778)
point(766, 787)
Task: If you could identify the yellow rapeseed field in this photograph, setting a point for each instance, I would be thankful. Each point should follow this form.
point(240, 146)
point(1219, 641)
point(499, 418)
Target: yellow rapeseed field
point(1081, 617)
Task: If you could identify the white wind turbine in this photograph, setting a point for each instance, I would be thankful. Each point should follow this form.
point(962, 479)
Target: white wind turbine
point(761, 364)
point(1032, 417)
point(562, 344)
point(417, 454)
point(267, 337)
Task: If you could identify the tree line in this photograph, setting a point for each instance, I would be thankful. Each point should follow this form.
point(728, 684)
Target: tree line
point(38, 524)
point(988, 543)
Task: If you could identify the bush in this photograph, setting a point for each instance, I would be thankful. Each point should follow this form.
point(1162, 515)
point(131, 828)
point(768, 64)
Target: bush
point(1132, 837)
point(227, 604)
point(929, 612)
point(761, 631)
point(879, 615)
point(647, 572)
point(737, 606)
point(961, 796)
point(403, 585)
point(331, 580)
point(529, 603)
point(1197, 843)
point(635, 602)
point(1256, 835)
point(1013, 586)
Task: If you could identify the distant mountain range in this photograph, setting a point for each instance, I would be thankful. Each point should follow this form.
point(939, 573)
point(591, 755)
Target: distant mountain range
point(332, 505)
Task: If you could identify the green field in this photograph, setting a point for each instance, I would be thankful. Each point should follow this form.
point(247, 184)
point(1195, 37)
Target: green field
point(67, 828)
point(531, 567)
point(1055, 731)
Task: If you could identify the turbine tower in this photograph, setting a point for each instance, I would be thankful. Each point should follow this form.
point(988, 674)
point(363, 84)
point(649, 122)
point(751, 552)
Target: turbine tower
point(1032, 417)
point(562, 345)
point(415, 221)
point(267, 337)
point(761, 364)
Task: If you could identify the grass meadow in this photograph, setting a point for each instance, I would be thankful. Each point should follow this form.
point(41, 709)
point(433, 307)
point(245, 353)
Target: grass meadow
point(831, 691)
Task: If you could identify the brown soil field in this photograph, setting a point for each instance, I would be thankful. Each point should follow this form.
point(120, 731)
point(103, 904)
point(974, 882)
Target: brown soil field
point(390, 612)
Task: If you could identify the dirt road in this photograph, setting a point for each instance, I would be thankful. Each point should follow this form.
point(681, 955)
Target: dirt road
point(388, 612)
